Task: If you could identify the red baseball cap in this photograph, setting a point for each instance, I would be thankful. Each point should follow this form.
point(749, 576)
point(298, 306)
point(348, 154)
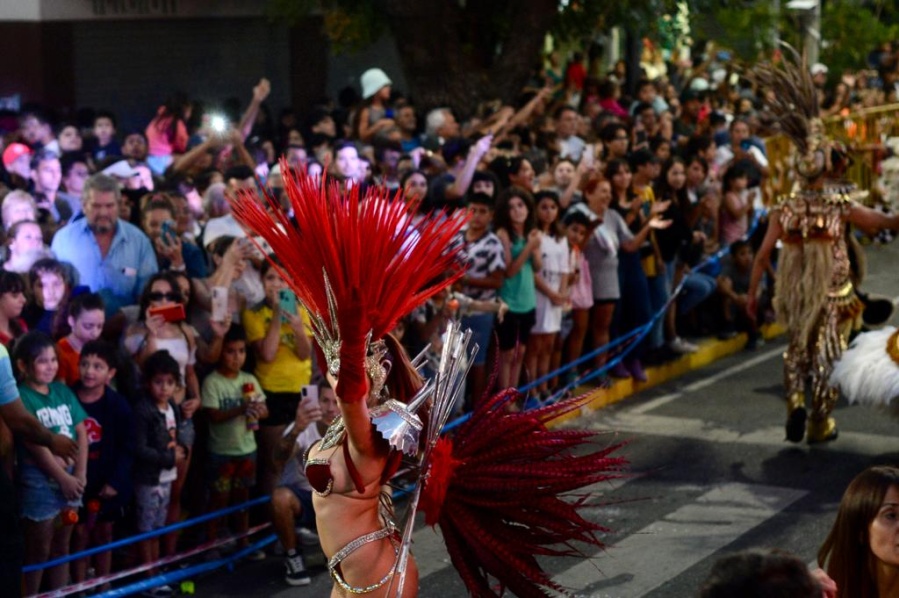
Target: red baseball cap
point(15, 151)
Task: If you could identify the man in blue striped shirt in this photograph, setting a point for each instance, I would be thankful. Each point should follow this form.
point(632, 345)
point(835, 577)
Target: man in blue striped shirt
point(113, 257)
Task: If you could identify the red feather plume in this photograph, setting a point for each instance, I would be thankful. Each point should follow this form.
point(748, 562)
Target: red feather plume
point(508, 492)
point(380, 264)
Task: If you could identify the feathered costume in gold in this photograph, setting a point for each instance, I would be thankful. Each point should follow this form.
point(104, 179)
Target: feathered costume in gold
point(814, 297)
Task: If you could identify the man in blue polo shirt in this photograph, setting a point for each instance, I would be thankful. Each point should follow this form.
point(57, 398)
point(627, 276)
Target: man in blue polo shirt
point(113, 257)
point(14, 416)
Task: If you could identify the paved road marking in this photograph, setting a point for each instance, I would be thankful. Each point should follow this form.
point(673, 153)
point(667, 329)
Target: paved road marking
point(706, 431)
point(705, 382)
point(669, 546)
point(430, 552)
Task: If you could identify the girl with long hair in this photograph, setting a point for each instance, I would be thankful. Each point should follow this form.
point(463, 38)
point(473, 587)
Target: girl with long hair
point(515, 226)
point(680, 247)
point(859, 553)
point(552, 290)
point(634, 309)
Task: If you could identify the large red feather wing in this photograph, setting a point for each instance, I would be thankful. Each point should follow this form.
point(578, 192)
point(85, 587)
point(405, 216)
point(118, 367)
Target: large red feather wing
point(506, 488)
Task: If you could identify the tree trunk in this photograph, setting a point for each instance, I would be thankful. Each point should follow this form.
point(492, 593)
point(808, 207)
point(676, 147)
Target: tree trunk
point(450, 53)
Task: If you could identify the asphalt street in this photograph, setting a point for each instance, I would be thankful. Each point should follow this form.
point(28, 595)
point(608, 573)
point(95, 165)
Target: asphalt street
point(710, 474)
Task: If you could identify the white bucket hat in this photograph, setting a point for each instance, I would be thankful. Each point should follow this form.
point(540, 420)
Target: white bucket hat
point(372, 81)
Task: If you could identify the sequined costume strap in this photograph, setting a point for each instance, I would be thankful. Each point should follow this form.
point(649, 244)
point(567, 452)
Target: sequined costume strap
point(340, 555)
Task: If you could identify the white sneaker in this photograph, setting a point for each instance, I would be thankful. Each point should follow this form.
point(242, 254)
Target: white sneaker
point(681, 347)
point(296, 571)
point(159, 592)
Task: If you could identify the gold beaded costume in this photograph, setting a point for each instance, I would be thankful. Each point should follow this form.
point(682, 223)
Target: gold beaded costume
point(814, 294)
point(814, 298)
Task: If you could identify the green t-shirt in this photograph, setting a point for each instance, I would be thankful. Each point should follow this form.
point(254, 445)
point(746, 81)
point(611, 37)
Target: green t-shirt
point(229, 438)
point(519, 291)
point(59, 411)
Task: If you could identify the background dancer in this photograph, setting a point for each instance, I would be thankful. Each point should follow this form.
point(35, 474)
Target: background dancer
point(814, 295)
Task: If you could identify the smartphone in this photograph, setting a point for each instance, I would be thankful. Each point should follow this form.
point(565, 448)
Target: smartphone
point(170, 313)
point(310, 394)
point(168, 232)
point(219, 304)
point(287, 300)
point(589, 155)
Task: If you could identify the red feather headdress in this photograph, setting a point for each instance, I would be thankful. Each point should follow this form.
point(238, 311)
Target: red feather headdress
point(364, 249)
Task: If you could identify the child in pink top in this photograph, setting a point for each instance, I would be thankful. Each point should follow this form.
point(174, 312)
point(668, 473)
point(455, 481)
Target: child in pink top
point(167, 133)
point(578, 227)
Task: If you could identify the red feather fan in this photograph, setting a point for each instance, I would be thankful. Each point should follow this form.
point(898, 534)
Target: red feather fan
point(380, 265)
point(506, 492)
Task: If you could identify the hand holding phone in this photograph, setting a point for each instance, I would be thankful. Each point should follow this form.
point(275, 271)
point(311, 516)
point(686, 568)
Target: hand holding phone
point(287, 301)
point(168, 232)
point(219, 303)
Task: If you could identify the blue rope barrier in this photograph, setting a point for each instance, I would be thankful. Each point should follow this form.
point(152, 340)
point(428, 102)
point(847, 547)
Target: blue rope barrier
point(146, 535)
point(175, 576)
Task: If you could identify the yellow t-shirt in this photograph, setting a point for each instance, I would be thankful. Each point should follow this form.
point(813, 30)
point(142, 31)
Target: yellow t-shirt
point(287, 373)
point(650, 262)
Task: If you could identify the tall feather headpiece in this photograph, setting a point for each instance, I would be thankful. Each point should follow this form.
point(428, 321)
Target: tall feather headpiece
point(795, 100)
point(794, 103)
point(357, 261)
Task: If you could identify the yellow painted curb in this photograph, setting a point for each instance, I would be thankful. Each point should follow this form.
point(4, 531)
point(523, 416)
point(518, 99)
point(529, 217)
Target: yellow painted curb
point(710, 350)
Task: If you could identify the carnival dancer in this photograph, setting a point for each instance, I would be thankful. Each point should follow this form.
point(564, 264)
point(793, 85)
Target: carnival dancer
point(358, 264)
point(814, 295)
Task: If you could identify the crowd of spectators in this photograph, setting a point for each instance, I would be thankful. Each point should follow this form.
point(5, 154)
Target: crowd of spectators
point(142, 322)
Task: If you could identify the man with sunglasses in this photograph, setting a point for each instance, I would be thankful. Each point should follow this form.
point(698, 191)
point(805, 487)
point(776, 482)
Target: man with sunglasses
point(113, 258)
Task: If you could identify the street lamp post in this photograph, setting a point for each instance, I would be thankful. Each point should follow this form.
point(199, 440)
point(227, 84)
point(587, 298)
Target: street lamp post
point(810, 17)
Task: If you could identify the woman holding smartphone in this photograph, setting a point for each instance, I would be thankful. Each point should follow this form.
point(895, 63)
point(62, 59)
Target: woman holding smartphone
point(277, 333)
point(161, 325)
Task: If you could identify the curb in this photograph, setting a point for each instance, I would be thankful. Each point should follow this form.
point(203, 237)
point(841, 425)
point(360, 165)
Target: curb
point(710, 351)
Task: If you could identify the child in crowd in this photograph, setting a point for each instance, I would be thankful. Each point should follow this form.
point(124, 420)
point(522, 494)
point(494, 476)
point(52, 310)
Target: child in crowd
point(375, 117)
point(12, 302)
point(516, 230)
point(50, 284)
point(25, 245)
point(104, 144)
point(736, 206)
point(167, 133)
point(578, 227)
point(50, 489)
point(552, 290)
point(85, 319)
point(231, 400)
point(154, 332)
point(707, 219)
point(110, 433)
point(483, 254)
point(733, 286)
point(156, 447)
